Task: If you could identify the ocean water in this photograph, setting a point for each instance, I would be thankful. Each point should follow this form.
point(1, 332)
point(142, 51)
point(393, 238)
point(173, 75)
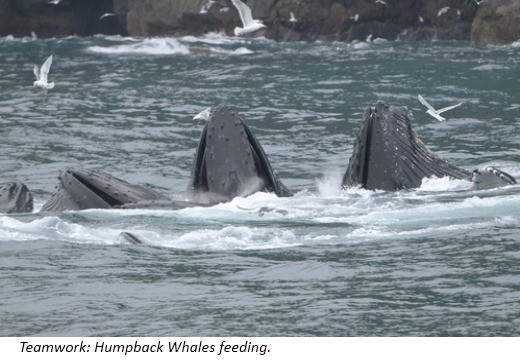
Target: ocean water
point(439, 260)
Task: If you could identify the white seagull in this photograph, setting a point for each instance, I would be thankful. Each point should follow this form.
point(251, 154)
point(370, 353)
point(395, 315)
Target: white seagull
point(249, 24)
point(292, 18)
point(54, 2)
point(382, 2)
point(105, 15)
point(203, 115)
point(443, 11)
point(436, 113)
point(41, 75)
point(479, 2)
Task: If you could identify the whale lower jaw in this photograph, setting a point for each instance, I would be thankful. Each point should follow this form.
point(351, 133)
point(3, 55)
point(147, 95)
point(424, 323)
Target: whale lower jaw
point(491, 177)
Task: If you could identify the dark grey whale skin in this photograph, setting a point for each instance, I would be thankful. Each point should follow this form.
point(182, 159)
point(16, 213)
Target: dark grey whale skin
point(229, 161)
point(388, 154)
point(15, 197)
point(85, 189)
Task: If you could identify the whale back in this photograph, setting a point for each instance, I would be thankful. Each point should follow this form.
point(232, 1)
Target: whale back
point(388, 154)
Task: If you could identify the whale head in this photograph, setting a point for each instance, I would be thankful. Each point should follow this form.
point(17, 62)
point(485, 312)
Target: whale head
point(388, 154)
point(15, 197)
point(84, 189)
point(229, 161)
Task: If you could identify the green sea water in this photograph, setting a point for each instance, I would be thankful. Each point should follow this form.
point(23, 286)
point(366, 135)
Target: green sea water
point(439, 260)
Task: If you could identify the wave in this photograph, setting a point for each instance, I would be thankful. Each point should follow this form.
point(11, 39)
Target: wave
point(490, 67)
point(162, 46)
point(159, 46)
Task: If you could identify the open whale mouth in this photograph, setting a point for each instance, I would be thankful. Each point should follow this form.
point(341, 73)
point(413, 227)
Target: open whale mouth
point(15, 197)
point(84, 189)
point(103, 195)
point(230, 161)
point(388, 154)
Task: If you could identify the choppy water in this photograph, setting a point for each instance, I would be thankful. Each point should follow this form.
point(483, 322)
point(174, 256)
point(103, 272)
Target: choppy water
point(441, 260)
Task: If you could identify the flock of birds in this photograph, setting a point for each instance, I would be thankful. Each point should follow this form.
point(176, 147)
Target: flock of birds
point(58, 2)
point(249, 25)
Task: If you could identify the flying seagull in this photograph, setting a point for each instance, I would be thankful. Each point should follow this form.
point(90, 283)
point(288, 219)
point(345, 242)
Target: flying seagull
point(479, 2)
point(382, 2)
point(203, 115)
point(41, 75)
point(292, 18)
point(436, 113)
point(54, 2)
point(443, 11)
point(105, 15)
point(249, 24)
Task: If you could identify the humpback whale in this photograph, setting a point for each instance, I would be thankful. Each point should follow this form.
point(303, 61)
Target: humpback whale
point(85, 189)
point(389, 155)
point(15, 197)
point(229, 161)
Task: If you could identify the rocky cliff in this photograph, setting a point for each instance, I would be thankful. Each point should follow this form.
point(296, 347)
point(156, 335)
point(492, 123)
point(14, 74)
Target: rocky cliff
point(494, 21)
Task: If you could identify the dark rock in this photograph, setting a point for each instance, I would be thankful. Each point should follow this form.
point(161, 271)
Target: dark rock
point(69, 17)
point(497, 22)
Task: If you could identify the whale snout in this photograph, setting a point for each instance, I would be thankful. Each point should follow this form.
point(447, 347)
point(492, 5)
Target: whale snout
point(15, 197)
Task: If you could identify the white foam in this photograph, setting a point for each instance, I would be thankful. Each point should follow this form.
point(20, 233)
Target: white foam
point(444, 184)
point(239, 51)
point(213, 39)
point(155, 46)
point(490, 67)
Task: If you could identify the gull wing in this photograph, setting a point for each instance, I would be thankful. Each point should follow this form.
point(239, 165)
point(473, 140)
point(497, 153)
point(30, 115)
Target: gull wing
point(203, 115)
point(244, 11)
point(426, 103)
point(440, 111)
point(36, 72)
point(45, 69)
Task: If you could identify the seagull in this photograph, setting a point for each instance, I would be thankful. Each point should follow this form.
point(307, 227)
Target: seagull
point(203, 115)
point(421, 19)
point(41, 75)
point(479, 2)
point(436, 113)
point(34, 36)
point(369, 38)
point(443, 11)
point(355, 17)
point(54, 2)
point(105, 15)
point(292, 18)
point(382, 2)
point(249, 24)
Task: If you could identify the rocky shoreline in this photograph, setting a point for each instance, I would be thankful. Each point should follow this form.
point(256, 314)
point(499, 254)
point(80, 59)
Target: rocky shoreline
point(491, 22)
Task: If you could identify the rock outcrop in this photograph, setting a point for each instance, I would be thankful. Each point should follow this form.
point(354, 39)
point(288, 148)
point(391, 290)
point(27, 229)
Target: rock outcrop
point(68, 17)
point(497, 22)
point(494, 21)
point(343, 20)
